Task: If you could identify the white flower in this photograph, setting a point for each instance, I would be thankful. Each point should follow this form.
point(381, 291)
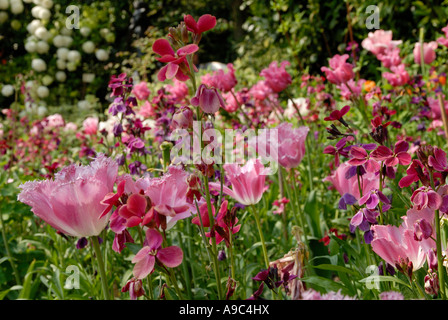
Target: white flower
point(41, 111)
point(62, 41)
point(60, 64)
point(42, 92)
point(42, 47)
point(30, 46)
point(33, 25)
point(42, 33)
point(17, 7)
point(71, 66)
point(47, 4)
point(62, 53)
point(4, 4)
point(3, 17)
point(102, 55)
point(44, 14)
point(85, 31)
point(61, 76)
point(88, 47)
point(84, 105)
point(38, 65)
point(7, 90)
point(74, 56)
point(301, 103)
point(47, 80)
point(88, 77)
point(35, 11)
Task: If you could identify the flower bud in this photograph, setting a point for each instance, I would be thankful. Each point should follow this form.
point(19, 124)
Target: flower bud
point(182, 118)
point(431, 283)
point(422, 230)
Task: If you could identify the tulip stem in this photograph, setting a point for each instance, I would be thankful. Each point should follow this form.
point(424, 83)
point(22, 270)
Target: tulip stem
point(263, 244)
point(99, 258)
point(440, 266)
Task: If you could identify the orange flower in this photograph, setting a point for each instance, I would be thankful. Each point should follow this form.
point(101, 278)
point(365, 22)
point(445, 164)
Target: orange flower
point(369, 85)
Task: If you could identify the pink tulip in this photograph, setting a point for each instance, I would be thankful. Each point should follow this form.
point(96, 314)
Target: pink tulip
point(209, 100)
point(379, 41)
point(399, 77)
point(71, 203)
point(396, 243)
point(146, 258)
point(182, 118)
point(429, 54)
point(341, 71)
point(291, 147)
point(277, 78)
point(90, 125)
point(247, 181)
point(444, 40)
point(141, 91)
point(369, 181)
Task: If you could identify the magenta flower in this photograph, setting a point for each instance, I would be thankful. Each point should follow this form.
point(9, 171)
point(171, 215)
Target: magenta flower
point(205, 22)
point(337, 150)
point(168, 196)
point(209, 100)
point(414, 173)
point(429, 53)
point(361, 157)
point(337, 114)
point(71, 203)
point(277, 78)
point(391, 159)
point(438, 161)
point(141, 91)
point(146, 258)
point(135, 211)
point(340, 71)
point(425, 197)
point(247, 181)
point(135, 288)
point(223, 81)
point(177, 66)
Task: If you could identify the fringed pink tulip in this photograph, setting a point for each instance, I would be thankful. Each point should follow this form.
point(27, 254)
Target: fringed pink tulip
point(71, 203)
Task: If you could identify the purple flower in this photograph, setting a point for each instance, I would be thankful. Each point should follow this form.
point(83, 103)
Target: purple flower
point(373, 198)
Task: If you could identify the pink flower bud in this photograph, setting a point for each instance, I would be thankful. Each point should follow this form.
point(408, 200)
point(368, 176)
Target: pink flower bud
point(422, 230)
point(182, 118)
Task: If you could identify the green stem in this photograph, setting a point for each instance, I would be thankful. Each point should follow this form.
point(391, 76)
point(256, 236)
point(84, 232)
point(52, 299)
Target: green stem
point(260, 231)
point(99, 258)
point(440, 266)
point(8, 253)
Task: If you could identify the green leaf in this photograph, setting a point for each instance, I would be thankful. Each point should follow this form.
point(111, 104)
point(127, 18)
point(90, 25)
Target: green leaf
point(325, 283)
point(385, 279)
point(27, 283)
point(312, 214)
point(335, 268)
